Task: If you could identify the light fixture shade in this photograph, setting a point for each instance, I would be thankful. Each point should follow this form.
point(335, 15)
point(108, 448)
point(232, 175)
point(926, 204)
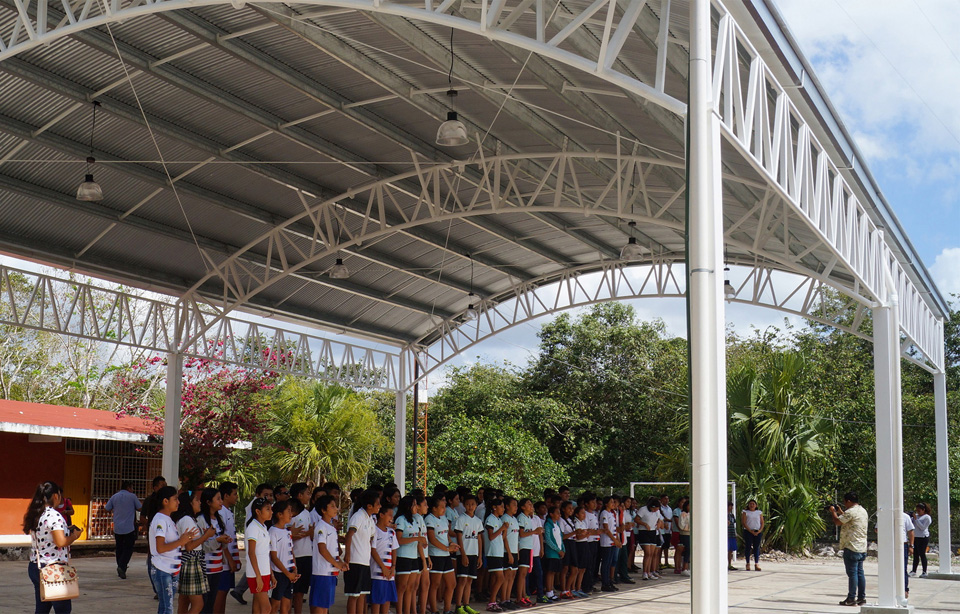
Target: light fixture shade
point(728, 290)
point(452, 133)
point(89, 190)
point(632, 250)
point(339, 270)
point(471, 313)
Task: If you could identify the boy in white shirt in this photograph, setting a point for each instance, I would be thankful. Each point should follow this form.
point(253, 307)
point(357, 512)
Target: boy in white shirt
point(326, 560)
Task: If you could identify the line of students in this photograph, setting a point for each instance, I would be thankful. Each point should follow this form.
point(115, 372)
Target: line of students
point(423, 554)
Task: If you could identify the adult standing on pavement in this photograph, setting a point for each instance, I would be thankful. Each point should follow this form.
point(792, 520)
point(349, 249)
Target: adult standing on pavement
point(124, 505)
point(50, 540)
point(853, 541)
point(752, 519)
point(667, 512)
point(921, 537)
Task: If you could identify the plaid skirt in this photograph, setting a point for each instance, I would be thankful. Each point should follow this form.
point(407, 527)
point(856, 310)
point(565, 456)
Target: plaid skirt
point(193, 580)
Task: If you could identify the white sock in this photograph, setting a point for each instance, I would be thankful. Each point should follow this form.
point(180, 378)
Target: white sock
point(550, 594)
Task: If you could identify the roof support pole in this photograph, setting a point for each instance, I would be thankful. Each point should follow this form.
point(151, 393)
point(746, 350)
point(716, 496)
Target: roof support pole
point(886, 369)
point(171, 420)
point(945, 572)
point(400, 433)
point(705, 326)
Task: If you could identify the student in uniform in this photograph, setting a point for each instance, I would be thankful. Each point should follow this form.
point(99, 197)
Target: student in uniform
point(423, 591)
point(535, 577)
point(609, 543)
point(260, 580)
point(494, 529)
point(229, 495)
point(625, 556)
point(409, 555)
point(592, 560)
point(383, 585)
point(648, 519)
point(581, 546)
point(683, 526)
point(361, 530)
point(282, 561)
point(677, 546)
point(442, 579)
point(326, 564)
point(215, 549)
point(528, 534)
point(667, 513)
point(192, 582)
point(165, 542)
point(569, 563)
point(512, 553)
point(468, 529)
point(451, 514)
point(301, 531)
point(553, 545)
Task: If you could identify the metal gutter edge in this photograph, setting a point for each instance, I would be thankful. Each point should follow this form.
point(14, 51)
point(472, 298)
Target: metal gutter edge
point(771, 23)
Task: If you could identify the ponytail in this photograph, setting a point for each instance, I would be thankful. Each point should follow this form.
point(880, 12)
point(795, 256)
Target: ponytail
point(42, 497)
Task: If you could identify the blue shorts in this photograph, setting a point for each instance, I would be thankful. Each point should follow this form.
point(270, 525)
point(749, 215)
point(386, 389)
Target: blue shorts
point(227, 581)
point(731, 544)
point(383, 591)
point(323, 591)
point(284, 589)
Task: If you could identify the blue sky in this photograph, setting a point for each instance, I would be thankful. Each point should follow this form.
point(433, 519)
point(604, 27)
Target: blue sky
point(892, 70)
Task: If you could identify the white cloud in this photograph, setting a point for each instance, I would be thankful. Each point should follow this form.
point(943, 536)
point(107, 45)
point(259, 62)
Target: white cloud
point(946, 271)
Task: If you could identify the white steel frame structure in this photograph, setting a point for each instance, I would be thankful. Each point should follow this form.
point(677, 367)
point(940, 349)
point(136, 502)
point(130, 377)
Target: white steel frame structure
point(766, 178)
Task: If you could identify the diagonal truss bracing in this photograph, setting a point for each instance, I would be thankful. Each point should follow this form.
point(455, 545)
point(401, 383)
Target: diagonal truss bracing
point(759, 118)
point(540, 26)
point(68, 307)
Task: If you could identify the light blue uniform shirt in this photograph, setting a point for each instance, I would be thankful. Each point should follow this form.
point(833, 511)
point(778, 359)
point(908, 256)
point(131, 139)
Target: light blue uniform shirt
point(513, 533)
point(493, 547)
point(441, 533)
point(407, 529)
point(526, 524)
point(124, 505)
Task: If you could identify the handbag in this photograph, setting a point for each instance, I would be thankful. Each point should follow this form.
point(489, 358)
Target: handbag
point(58, 581)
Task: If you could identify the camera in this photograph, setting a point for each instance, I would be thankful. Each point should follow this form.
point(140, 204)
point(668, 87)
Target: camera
point(831, 505)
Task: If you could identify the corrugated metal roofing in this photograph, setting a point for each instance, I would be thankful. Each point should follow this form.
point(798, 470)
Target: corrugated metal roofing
point(208, 101)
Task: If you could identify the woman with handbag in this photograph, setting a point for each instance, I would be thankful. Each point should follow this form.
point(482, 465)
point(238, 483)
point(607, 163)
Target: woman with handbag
point(54, 580)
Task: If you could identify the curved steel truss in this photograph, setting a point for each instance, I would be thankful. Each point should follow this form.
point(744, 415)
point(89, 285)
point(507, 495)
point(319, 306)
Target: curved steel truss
point(540, 26)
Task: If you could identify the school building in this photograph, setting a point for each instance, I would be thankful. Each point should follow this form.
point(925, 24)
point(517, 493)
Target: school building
point(87, 451)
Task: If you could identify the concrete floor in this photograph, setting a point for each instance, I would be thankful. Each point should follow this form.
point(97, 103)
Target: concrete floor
point(812, 587)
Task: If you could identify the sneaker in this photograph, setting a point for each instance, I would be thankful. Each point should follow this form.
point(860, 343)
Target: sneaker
point(238, 596)
point(470, 610)
point(543, 599)
point(685, 572)
point(581, 594)
point(731, 568)
point(493, 607)
point(122, 573)
point(646, 576)
point(848, 601)
point(912, 574)
point(608, 589)
point(862, 601)
point(461, 610)
point(923, 575)
point(553, 598)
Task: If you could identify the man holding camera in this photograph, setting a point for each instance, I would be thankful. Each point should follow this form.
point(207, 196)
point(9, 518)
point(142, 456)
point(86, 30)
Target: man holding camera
point(853, 541)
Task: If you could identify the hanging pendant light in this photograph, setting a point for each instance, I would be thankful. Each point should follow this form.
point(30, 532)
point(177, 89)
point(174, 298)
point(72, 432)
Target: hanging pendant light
point(471, 313)
point(90, 190)
point(452, 133)
point(729, 292)
point(339, 270)
point(632, 251)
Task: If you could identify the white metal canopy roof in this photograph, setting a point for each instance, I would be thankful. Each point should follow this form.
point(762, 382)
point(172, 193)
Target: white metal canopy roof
point(294, 133)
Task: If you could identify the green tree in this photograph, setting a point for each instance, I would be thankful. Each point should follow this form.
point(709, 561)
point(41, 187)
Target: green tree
point(484, 452)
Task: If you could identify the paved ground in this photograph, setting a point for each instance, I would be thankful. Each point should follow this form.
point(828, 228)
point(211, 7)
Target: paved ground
point(810, 587)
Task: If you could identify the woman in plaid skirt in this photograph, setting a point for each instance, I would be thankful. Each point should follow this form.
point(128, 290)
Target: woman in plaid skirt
point(193, 579)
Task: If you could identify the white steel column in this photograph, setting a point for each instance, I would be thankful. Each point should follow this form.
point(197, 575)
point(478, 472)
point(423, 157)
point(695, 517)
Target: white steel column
point(400, 442)
point(943, 471)
point(171, 420)
point(706, 327)
point(886, 369)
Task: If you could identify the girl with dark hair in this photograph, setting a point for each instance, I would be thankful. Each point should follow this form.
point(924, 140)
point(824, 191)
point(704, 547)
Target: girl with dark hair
point(301, 532)
point(753, 522)
point(361, 530)
point(215, 548)
point(165, 542)
point(494, 549)
point(192, 583)
point(921, 537)
point(569, 561)
point(528, 533)
point(511, 556)
point(648, 519)
point(683, 524)
point(423, 590)
point(409, 554)
point(553, 544)
point(326, 560)
point(580, 549)
point(282, 562)
point(383, 590)
point(440, 549)
point(50, 541)
point(257, 539)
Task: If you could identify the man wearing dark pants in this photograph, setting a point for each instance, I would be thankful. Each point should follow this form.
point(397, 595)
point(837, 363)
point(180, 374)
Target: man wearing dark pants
point(853, 541)
point(124, 505)
point(908, 537)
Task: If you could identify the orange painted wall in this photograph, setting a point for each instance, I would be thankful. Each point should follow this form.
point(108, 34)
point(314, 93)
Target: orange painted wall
point(23, 465)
